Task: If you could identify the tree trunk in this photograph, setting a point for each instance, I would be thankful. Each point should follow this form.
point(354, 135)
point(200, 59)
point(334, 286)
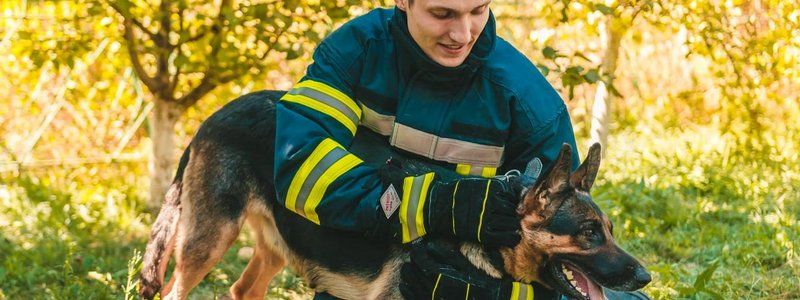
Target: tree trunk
point(601, 109)
point(162, 162)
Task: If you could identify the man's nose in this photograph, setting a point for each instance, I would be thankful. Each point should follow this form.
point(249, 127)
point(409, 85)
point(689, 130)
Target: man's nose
point(460, 32)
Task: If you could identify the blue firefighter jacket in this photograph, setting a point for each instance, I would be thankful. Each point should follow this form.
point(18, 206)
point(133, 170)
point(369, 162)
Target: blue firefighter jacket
point(492, 114)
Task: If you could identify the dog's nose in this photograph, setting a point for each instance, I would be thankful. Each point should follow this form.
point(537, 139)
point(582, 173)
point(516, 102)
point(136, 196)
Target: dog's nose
point(641, 276)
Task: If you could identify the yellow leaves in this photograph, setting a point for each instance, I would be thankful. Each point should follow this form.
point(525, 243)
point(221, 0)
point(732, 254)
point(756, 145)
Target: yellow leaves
point(106, 21)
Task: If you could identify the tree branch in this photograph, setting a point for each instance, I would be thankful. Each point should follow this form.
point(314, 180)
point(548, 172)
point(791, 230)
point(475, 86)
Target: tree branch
point(128, 17)
point(164, 48)
point(219, 26)
point(173, 82)
point(148, 81)
point(196, 37)
point(272, 45)
point(206, 85)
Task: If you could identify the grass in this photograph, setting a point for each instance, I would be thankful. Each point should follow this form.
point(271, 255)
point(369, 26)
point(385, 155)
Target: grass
point(711, 219)
point(84, 242)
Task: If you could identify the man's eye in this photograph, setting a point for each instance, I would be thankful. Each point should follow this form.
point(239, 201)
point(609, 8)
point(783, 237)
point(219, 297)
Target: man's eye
point(479, 10)
point(441, 15)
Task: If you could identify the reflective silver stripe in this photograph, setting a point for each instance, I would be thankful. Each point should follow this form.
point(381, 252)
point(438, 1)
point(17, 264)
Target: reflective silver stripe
point(327, 99)
point(411, 213)
point(379, 123)
point(523, 292)
point(446, 149)
point(476, 170)
point(326, 162)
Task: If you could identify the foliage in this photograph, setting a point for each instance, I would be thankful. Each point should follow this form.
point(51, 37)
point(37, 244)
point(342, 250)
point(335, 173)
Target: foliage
point(700, 180)
point(708, 216)
point(181, 50)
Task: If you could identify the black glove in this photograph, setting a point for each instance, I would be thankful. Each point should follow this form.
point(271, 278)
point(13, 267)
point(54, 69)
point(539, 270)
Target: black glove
point(481, 210)
point(438, 271)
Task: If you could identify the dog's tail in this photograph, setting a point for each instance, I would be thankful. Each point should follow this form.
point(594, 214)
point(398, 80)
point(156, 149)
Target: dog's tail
point(162, 237)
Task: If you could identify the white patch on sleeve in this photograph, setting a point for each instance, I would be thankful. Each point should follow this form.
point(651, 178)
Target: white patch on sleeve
point(390, 201)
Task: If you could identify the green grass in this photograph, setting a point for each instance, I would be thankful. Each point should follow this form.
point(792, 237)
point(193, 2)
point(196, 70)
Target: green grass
point(86, 242)
point(709, 217)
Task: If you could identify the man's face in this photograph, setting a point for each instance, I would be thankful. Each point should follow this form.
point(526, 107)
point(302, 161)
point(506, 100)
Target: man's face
point(446, 30)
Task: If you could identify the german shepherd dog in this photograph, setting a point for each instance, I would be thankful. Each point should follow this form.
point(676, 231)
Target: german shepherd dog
point(225, 179)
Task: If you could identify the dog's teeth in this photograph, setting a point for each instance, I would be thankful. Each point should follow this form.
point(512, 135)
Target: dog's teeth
point(569, 275)
point(575, 284)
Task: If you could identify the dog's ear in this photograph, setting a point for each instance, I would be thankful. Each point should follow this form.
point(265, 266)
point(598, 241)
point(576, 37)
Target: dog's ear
point(584, 176)
point(556, 180)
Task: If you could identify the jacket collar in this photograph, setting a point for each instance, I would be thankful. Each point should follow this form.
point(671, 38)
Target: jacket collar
point(411, 54)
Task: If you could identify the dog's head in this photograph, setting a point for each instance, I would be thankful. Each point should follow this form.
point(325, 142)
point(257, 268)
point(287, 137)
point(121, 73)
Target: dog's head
point(567, 242)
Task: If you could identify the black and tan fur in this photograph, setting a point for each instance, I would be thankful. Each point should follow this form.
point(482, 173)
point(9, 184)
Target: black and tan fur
point(224, 180)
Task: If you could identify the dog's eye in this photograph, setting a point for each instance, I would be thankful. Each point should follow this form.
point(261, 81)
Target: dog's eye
point(589, 232)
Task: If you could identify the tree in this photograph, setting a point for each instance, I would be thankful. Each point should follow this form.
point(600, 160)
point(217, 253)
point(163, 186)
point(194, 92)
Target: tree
point(618, 19)
point(182, 50)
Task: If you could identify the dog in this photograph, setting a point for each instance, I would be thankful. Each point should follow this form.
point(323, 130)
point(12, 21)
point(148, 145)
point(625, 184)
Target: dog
point(224, 179)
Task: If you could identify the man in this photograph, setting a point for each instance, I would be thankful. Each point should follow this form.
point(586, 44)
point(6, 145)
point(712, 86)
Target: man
point(435, 82)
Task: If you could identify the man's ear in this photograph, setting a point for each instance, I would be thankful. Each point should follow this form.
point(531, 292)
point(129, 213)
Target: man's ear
point(557, 179)
point(401, 4)
point(584, 176)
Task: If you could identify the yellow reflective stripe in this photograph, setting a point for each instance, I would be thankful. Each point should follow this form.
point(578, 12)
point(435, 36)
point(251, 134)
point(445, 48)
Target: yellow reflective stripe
point(483, 209)
point(323, 108)
point(407, 183)
point(521, 291)
point(529, 295)
point(422, 197)
point(302, 174)
point(514, 291)
point(412, 218)
point(333, 92)
point(435, 286)
point(488, 172)
point(467, 295)
point(335, 171)
point(462, 169)
point(453, 213)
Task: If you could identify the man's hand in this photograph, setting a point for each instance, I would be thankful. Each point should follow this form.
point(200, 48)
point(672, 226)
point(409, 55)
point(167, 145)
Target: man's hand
point(438, 271)
point(477, 210)
point(481, 210)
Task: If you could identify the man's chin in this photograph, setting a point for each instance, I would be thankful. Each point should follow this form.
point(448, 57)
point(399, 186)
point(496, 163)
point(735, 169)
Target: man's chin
point(450, 61)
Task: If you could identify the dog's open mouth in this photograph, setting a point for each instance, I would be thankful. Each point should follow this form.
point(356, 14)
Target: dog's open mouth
point(576, 284)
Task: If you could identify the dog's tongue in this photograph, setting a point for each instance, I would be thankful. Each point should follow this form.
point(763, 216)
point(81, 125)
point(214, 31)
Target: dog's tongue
point(588, 286)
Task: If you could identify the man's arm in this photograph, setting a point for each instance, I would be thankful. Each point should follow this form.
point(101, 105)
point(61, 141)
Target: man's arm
point(315, 176)
point(541, 126)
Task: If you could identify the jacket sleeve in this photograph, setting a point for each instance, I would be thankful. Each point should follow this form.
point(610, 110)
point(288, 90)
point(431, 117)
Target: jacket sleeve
point(315, 175)
point(540, 126)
